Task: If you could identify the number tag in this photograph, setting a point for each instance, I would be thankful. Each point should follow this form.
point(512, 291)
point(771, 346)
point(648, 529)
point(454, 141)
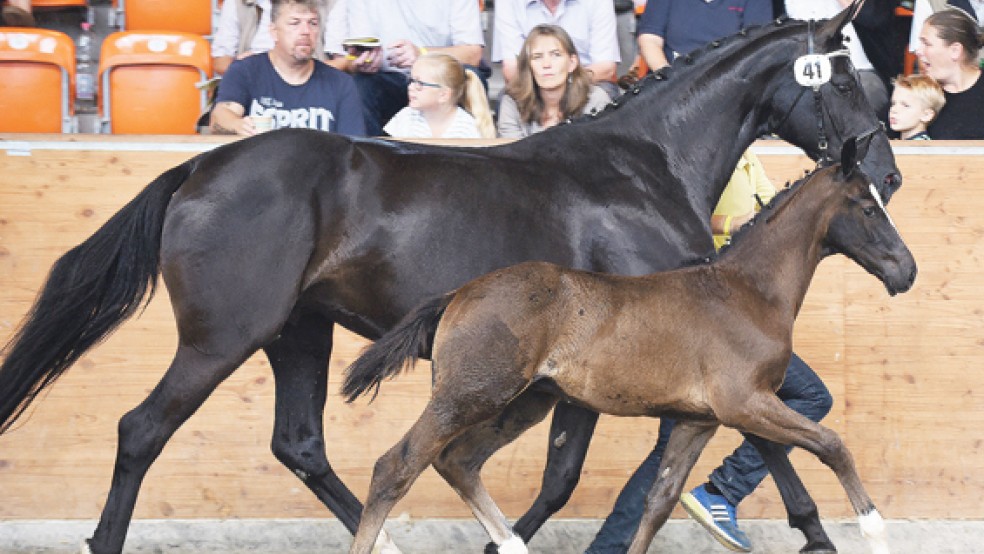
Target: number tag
point(812, 70)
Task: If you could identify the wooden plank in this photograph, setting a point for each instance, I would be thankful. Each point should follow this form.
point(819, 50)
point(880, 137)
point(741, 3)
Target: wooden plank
point(903, 372)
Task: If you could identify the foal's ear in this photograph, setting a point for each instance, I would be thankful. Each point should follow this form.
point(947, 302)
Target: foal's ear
point(829, 36)
point(849, 156)
point(854, 151)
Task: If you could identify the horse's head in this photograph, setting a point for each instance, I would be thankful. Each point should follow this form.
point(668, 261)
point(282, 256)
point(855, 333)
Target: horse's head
point(861, 228)
point(818, 103)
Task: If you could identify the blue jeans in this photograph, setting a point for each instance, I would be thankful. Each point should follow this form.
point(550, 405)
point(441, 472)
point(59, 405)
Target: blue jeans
point(739, 474)
point(385, 92)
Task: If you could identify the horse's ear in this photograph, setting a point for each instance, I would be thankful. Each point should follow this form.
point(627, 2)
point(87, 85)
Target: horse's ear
point(829, 36)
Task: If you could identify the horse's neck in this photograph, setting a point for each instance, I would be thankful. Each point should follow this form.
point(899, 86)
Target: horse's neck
point(778, 256)
point(702, 118)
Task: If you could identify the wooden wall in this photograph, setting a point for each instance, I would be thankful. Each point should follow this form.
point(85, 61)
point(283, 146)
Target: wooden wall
point(906, 372)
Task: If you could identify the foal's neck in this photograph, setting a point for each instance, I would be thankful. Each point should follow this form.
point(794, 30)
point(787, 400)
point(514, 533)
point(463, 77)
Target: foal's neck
point(778, 255)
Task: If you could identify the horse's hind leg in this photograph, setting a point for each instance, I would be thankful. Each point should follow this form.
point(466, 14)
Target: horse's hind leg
point(802, 510)
point(461, 462)
point(766, 416)
point(299, 358)
point(686, 443)
point(144, 431)
point(570, 434)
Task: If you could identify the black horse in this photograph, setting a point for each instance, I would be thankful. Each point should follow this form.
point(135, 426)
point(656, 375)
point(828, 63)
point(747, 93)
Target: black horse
point(267, 243)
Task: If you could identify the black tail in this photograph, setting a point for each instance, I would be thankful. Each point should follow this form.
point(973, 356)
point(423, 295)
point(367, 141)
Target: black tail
point(396, 350)
point(89, 292)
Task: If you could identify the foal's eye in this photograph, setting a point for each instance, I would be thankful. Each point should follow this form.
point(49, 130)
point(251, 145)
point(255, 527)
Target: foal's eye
point(869, 211)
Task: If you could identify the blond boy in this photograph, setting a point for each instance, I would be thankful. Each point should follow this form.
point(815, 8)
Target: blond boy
point(916, 101)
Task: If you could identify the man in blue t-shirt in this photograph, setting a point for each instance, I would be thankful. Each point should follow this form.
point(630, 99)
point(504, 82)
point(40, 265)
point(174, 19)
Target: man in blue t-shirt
point(287, 83)
point(674, 27)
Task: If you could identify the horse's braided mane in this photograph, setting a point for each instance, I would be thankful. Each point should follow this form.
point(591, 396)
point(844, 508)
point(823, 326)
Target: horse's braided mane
point(663, 74)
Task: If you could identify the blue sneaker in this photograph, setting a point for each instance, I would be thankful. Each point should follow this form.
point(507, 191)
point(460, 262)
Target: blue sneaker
point(717, 515)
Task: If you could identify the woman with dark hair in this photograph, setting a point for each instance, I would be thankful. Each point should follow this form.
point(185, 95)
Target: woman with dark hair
point(550, 85)
point(948, 47)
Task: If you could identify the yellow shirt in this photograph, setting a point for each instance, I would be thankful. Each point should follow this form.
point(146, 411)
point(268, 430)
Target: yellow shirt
point(738, 197)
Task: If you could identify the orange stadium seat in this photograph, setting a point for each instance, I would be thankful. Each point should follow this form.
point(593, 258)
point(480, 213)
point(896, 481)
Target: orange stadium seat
point(59, 3)
point(147, 82)
point(37, 81)
point(187, 16)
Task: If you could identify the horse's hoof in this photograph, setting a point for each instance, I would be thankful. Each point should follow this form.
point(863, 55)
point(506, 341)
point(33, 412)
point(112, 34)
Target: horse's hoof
point(491, 548)
point(84, 547)
point(819, 548)
point(512, 545)
point(384, 544)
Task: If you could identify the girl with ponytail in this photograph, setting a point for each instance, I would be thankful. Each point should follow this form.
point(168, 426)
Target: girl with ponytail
point(446, 101)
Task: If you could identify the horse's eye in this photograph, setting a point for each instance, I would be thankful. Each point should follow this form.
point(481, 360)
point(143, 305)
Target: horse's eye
point(842, 88)
point(869, 211)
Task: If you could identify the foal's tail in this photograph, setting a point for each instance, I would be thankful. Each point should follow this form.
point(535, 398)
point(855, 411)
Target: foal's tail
point(396, 350)
point(89, 292)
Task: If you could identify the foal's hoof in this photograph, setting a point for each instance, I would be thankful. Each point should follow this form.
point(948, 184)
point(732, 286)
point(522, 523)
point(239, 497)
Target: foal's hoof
point(818, 547)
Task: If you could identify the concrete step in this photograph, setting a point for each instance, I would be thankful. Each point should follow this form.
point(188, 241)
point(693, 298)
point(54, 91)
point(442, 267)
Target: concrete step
point(309, 536)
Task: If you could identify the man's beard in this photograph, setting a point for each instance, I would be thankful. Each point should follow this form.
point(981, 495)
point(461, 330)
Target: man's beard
point(302, 54)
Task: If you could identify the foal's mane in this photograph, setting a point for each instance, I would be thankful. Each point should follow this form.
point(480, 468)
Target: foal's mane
point(773, 208)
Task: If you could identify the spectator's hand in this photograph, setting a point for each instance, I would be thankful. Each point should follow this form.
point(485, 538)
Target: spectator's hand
point(402, 53)
point(369, 61)
point(245, 127)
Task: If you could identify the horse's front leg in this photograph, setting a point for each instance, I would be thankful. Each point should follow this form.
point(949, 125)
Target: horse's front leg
point(570, 433)
point(800, 507)
point(687, 441)
point(766, 416)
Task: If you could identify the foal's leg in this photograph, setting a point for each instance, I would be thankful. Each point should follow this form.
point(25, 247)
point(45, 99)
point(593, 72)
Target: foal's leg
point(462, 460)
point(687, 441)
point(570, 434)
point(444, 418)
point(767, 417)
point(144, 431)
point(800, 507)
point(299, 358)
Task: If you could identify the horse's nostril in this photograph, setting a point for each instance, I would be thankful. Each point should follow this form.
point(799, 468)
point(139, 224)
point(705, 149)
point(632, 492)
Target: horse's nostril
point(894, 181)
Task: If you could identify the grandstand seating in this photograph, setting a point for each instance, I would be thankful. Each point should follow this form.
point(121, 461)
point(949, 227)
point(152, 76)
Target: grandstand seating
point(147, 82)
point(187, 16)
point(37, 81)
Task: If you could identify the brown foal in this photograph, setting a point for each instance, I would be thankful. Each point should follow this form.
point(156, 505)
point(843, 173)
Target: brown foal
point(706, 344)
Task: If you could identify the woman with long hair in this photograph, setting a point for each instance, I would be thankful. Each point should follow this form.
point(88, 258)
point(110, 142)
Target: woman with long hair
point(949, 43)
point(550, 85)
point(445, 101)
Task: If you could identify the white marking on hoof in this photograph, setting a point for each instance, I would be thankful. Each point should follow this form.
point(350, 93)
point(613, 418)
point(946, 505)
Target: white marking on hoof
point(84, 547)
point(873, 528)
point(384, 544)
point(513, 545)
